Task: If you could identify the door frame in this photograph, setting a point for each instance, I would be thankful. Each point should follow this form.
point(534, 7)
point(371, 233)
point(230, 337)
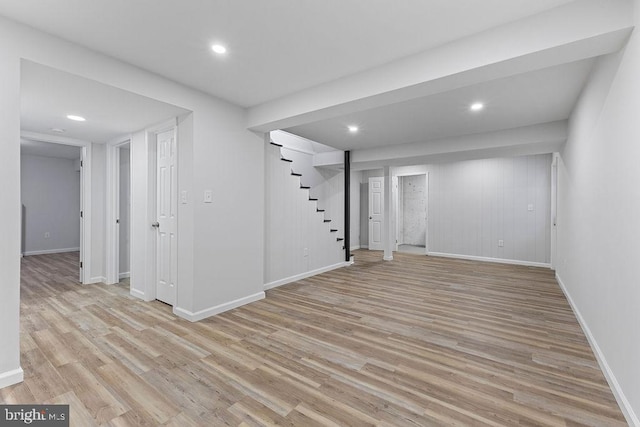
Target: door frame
point(112, 261)
point(85, 198)
point(426, 176)
point(142, 234)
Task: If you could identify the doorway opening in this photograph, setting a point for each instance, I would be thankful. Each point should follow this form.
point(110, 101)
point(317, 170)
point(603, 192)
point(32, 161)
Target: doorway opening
point(123, 221)
point(55, 199)
point(411, 219)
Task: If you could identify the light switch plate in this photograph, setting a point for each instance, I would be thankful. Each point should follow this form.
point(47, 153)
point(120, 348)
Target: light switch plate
point(183, 197)
point(208, 196)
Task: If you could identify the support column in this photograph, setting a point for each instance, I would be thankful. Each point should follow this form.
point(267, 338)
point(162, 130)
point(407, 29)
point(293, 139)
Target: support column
point(387, 233)
point(347, 206)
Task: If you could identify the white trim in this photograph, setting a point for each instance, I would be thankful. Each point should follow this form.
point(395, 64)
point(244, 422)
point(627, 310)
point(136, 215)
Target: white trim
point(298, 150)
point(212, 311)
point(113, 207)
point(12, 377)
point(97, 279)
point(388, 258)
point(163, 126)
point(304, 275)
point(624, 404)
point(51, 251)
point(35, 136)
point(124, 275)
point(354, 248)
point(138, 294)
point(487, 259)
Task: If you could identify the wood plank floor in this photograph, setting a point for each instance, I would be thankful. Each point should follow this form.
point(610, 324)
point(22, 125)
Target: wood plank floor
point(419, 341)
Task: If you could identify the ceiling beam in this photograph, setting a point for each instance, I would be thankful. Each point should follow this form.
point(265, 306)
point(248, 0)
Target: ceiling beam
point(528, 140)
point(578, 30)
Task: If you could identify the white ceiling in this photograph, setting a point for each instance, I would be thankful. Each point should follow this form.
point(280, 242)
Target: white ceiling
point(48, 149)
point(49, 95)
point(276, 47)
point(537, 97)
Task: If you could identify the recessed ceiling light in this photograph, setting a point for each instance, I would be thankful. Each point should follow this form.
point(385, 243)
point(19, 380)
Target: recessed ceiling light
point(58, 130)
point(353, 129)
point(218, 48)
point(76, 118)
point(476, 106)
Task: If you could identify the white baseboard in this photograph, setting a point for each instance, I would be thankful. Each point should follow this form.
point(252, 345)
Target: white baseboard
point(487, 259)
point(11, 377)
point(124, 275)
point(304, 275)
point(51, 251)
point(212, 311)
point(623, 402)
point(354, 248)
point(98, 279)
point(137, 293)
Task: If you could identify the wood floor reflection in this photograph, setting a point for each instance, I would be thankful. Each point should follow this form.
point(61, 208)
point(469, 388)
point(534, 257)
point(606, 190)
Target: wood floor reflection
point(417, 341)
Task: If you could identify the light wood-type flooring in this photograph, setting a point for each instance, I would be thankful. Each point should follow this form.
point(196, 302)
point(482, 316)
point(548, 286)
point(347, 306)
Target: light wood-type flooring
point(418, 341)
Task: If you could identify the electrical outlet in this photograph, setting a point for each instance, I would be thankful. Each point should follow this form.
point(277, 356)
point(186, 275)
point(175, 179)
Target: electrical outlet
point(500, 243)
point(47, 234)
point(530, 207)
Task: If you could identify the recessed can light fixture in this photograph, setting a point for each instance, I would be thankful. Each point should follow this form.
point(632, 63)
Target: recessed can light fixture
point(218, 48)
point(58, 130)
point(476, 106)
point(353, 129)
point(76, 118)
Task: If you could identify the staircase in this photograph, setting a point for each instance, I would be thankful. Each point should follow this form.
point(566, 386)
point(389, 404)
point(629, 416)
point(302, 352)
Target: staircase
point(301, 239)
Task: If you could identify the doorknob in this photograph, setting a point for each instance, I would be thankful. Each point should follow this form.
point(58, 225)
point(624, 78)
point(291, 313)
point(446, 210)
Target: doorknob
point(155, 225)
point(370, 217)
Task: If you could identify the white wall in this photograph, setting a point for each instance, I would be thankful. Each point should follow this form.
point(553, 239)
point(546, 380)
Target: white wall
point(598, 228)
point(355, 181)
point(98, 202)
point(125, 207)
point(10, 212)
point(50, 190)
point(298, 242)
point(475, 203)
point(472, 204)
point(222, 273)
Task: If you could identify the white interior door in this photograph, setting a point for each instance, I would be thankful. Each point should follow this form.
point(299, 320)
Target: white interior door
point(376, 213)
point(166, 210)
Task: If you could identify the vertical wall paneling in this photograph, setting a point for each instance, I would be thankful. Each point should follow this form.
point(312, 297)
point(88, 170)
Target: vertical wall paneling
point(475, 205)
point(298, 241)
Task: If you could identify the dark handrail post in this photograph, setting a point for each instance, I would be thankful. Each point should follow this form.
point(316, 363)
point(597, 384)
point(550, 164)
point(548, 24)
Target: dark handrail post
point(347, 205)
